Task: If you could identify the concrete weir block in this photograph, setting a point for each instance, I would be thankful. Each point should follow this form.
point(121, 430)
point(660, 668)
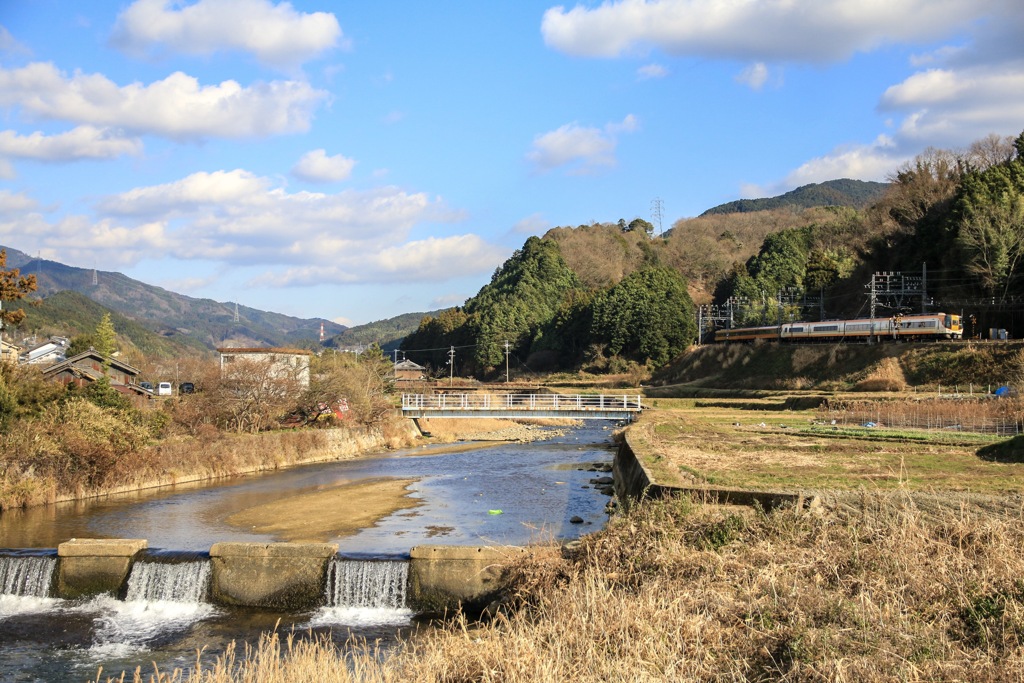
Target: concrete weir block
point(447, 578)
point(92, 566)
point(288, 576)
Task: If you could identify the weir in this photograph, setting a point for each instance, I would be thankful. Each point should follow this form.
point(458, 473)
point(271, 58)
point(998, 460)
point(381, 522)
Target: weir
point(187, 582)
point(26, 576)
point(382, 584)
point(291, 576)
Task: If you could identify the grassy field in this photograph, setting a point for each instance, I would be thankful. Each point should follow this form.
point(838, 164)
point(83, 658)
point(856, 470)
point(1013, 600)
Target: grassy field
point(752, 443)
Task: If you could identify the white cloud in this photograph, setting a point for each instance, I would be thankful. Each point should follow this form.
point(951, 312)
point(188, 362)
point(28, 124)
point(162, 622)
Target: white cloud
point(534, 224)
point(16, 203)
point(176, 107)
point(317, 167)
point(757, 30)
point(235, 218)
point(649, 71)
point(275, 34)
point(584, 150)
point(432, 259)
point(754, 76)
point(83, 142)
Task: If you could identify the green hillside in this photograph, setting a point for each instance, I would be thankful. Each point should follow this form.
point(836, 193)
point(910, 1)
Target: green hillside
point(70, 314)
point(388, 334)
point(856, 194)
point(212, 323)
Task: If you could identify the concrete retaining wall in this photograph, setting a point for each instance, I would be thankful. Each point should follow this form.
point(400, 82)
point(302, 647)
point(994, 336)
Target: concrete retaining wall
point(633, 482)
point(448, 578)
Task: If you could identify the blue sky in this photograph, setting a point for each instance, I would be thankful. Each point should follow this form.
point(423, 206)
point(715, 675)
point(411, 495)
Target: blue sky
point(355, 161)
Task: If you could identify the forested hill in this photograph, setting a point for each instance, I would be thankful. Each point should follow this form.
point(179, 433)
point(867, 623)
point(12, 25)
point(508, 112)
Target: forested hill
point(857, 194)
point(388, 334)
point(168, 313)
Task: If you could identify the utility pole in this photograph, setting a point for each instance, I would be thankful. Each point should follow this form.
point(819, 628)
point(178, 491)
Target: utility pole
point(506, 361)
point(451, 367)
point(874, 303)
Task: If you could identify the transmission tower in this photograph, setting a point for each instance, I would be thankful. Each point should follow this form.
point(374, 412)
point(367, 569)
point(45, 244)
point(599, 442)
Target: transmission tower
point(656, 210)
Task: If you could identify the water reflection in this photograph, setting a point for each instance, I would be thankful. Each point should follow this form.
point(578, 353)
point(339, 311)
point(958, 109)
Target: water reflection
point(538, 487)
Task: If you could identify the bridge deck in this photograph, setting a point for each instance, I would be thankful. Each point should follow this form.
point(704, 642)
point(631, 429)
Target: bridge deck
point(578, 406)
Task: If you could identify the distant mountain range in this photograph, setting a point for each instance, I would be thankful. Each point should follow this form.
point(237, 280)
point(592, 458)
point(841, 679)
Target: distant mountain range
point(858, 194)
point(170, 315)
point(388, 334)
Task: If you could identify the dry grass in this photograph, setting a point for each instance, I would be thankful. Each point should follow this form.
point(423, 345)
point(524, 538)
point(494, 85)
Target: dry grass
point(677, 592)
point(886, 375)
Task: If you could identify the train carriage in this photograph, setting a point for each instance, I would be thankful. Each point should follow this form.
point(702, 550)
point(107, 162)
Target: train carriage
point(924, 327)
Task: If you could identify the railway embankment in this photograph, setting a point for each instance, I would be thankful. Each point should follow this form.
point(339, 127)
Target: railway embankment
point(844, 367)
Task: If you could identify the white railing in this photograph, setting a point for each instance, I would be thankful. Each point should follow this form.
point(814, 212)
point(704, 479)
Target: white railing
point(523, 402)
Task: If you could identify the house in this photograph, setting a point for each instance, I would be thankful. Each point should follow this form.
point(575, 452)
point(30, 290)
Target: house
point(407, 371)
point(50, 351)
point(291, 364)
point(87, 367)
point(9, 352)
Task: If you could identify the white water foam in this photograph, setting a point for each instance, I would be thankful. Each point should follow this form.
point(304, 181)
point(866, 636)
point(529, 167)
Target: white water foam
point(27, 576)
point(365, 593)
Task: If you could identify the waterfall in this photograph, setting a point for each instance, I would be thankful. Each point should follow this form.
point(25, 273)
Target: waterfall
point(26, 576)
point(186, 582)
point(364, 583)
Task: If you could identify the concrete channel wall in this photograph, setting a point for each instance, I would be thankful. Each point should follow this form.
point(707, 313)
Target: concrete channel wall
point(634, 482)
point(292, 576)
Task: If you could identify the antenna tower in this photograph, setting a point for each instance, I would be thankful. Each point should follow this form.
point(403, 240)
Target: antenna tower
point(236, 311)
point(95, 278)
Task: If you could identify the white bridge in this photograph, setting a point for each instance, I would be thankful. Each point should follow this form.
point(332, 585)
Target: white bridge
point(578, 406)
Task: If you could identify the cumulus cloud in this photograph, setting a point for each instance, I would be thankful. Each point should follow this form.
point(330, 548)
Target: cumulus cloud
point(83, 142)
point(583, 149)
point(754, 76)
point(177, 107)
point(276, 34)
point(16, 203)
point(236, 218)
point(421, 260)
point(317, 167)
point(817, 31)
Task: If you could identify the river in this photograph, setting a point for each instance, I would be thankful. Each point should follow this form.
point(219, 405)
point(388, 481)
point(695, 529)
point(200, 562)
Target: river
point(511, 494)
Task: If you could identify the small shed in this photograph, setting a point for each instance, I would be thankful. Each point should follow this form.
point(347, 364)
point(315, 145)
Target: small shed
point(407, 371)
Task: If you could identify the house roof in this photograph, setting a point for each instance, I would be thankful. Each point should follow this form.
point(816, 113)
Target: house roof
point(113, 362)
point(405, 364)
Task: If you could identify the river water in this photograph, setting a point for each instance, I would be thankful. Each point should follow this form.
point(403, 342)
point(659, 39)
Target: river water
point(538, 488)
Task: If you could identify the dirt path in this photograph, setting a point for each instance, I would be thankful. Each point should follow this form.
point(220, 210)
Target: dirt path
point(322, 516)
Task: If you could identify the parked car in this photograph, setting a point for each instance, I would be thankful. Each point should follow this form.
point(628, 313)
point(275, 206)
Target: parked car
point(148, 386)
point(186, 388)
point(164, 389)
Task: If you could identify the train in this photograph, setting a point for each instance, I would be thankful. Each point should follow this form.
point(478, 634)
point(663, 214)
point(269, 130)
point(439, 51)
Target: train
point(924, 327)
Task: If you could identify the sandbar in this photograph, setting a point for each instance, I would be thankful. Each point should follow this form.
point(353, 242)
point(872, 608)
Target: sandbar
point(328, 514)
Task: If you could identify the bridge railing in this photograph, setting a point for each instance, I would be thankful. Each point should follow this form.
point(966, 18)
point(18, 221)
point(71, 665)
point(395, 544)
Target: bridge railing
point(523, 402)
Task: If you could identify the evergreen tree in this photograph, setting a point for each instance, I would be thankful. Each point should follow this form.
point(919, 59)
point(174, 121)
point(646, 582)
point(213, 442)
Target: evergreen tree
point(648, 317)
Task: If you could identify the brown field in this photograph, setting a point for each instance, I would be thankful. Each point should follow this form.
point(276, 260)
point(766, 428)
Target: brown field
point(755, 444)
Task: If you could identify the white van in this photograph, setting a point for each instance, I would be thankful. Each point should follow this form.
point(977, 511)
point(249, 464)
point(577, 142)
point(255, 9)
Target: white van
point(163, 389)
